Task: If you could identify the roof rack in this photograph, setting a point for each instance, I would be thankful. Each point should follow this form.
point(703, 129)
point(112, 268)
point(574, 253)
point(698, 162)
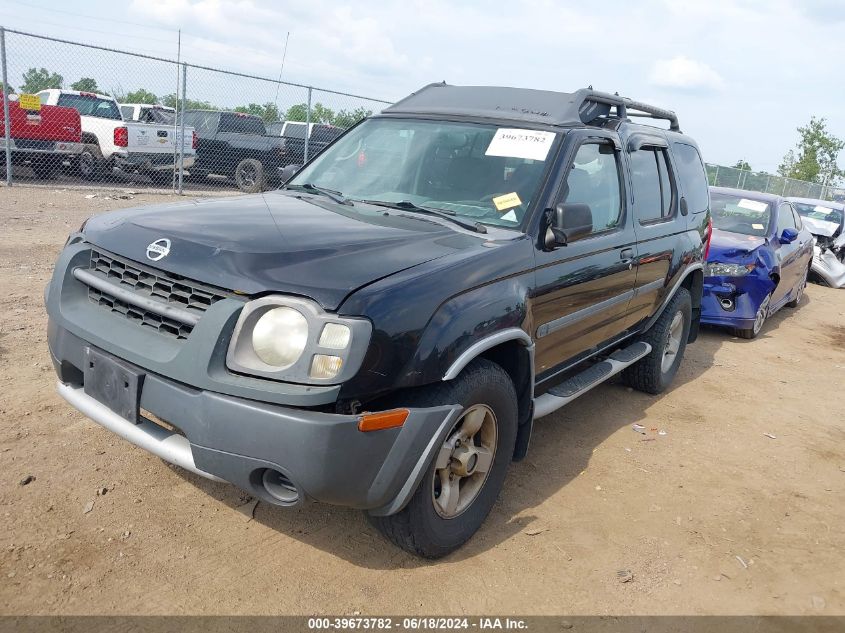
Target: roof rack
point(582, 107)
point(623, 107)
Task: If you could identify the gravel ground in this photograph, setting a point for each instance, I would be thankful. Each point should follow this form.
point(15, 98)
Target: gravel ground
point(736, 509)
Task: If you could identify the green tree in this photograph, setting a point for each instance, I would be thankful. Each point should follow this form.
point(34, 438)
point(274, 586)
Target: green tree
point(297, 112)
point(190, 104)
point(141, 95)
point(319, 113)
point(36, 79)
point(743, 165)
point(85, 84)
point(348, 118)
point(269, 112)
point(814, 157)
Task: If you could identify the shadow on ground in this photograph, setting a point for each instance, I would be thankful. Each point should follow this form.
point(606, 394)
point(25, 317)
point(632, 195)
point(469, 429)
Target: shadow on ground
point(561, 448)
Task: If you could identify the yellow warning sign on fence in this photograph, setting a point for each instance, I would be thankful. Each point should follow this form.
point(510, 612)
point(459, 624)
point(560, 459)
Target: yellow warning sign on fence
point(29, 102)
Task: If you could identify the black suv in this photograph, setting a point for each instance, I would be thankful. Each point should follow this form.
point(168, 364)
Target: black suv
point(382, 332)
point(236, 145)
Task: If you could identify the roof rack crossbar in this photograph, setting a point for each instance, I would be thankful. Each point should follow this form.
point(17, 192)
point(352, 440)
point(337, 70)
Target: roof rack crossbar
point(624, 104)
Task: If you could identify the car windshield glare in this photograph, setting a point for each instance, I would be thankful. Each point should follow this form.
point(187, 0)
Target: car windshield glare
point(740, 215)
point(480, 172)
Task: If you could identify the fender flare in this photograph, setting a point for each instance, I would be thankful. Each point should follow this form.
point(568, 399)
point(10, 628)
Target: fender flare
point(690, 269)
point(489, 342)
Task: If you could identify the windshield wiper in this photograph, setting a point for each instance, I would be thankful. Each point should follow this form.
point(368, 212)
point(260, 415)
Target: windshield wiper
point(337, 196)
point(407, 205)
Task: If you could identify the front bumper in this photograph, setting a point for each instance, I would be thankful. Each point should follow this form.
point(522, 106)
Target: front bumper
point(733, 301)
point(828, 267)
point(323, 455)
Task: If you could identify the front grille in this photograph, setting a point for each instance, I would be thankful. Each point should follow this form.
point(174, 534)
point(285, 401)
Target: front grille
point(189, 297)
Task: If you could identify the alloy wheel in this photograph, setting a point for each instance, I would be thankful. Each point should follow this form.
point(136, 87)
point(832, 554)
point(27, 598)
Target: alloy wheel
point(464, 461)
point(673, 341)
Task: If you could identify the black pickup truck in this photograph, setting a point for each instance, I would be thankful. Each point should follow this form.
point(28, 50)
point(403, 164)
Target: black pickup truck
point(301, 146)
point(382, 332)
point(236, 145)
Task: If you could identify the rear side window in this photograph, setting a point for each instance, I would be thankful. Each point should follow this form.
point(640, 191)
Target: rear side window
point(203, 122)
point(692, 176)
point(241, 124)
point(651, 184)
point(88, 105)
point(295, 130)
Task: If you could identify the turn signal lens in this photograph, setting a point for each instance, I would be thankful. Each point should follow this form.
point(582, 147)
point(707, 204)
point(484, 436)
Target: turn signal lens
point(335, 336)
point(323, 366)
point(382, 420)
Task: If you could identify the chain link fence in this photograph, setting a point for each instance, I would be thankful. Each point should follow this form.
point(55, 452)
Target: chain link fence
point(732, 177)
point(85, 114)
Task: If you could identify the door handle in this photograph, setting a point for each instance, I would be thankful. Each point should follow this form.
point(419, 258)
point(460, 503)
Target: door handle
point(626, 254)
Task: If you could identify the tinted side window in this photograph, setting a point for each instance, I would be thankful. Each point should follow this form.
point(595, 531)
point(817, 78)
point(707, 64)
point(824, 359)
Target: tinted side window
point(785, 218)
point(692, 176)
point(295, 130)
point(798, 223)
point(594, 181)
point(645, 181)
point(667, 187)
point(128, 112)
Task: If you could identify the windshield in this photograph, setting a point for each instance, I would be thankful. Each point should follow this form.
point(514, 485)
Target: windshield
point(91, 106)
point(818, 212)
point(740, 215)
point(475, 171)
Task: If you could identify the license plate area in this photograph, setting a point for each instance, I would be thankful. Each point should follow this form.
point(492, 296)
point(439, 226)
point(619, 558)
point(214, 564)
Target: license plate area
point(114, 383)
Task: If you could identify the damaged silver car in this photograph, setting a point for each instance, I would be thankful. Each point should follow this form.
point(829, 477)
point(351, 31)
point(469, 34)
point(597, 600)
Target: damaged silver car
point(825, 221)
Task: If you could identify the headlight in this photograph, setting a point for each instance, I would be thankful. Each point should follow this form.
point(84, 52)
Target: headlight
point(280, 336)
point(718, 269)
point(292, 339)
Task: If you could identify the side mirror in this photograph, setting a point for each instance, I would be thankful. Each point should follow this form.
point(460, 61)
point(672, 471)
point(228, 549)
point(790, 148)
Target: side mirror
point(289, 172)
point(788, 236)
point(569, 222)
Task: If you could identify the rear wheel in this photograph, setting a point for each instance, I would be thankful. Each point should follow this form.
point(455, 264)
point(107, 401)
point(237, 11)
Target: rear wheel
point(249, 175)
point(466, 475)
point(799, 291)
point(91, 165)
point(668, 339)
point(759, 320)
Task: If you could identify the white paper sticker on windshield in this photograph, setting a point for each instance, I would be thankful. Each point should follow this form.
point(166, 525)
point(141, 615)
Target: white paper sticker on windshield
point(822, 209)
point(752, 205)
point(513, 143)
point(758, 227)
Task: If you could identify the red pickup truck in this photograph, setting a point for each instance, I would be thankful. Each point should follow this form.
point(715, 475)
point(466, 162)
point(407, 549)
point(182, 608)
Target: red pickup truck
point(41, 139)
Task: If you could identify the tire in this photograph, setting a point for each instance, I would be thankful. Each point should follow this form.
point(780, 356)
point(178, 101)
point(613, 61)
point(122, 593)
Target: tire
point(249, 176)
point(668, 339)
point(799, 291)
point(760, 320)
point(91, 164)
point(430, 526)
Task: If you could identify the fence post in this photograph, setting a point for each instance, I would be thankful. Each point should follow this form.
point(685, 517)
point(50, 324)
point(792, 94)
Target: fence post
point(7, 125)
point(716, 177)
point(182, 119)
point(307, 126)
point(768, 182)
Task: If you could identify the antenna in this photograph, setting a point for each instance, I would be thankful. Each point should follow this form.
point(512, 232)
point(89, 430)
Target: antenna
point(281, 70)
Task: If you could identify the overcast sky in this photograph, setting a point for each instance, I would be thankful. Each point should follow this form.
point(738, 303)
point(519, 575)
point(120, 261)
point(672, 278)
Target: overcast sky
point(742, 75)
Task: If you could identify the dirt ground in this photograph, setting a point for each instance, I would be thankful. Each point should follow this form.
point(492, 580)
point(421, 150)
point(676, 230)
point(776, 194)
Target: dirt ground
point(736, 509)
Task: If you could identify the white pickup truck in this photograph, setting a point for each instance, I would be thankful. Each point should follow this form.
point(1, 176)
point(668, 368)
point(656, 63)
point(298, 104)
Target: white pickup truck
point(111, 142)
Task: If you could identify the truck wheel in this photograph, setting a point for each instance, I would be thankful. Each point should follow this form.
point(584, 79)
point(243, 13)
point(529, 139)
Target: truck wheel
point(249, 176)
point(463, 481)
point(759, 320)
point(668, 339)
point(92, 165)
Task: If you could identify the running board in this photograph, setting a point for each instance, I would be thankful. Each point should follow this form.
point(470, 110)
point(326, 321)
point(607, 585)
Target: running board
point(579, 384)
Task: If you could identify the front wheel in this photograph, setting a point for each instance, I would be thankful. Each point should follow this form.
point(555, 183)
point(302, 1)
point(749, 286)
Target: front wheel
point(799, 291)
point(759, 319)
point(466, 475)
point(668, 339)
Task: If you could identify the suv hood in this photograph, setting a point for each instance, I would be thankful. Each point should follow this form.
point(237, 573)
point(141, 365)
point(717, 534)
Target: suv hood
point(278, 242)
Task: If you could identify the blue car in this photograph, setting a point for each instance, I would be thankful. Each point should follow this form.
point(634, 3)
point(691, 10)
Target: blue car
point(760, 255)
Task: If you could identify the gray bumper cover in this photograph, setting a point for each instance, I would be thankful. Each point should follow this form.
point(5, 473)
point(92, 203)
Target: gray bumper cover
point(232, 439)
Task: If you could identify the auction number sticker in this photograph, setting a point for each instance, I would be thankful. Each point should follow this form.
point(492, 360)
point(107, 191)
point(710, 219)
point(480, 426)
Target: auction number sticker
point(515, 143)
point(752, 205)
